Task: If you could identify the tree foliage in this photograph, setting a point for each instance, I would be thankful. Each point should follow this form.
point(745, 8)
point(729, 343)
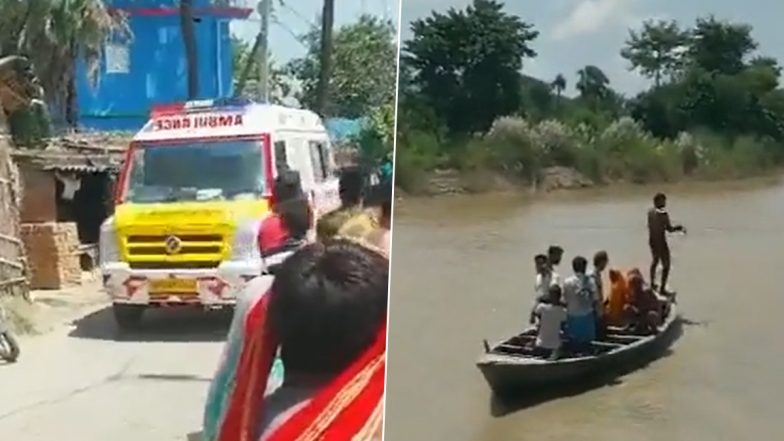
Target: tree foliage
point(657, 51)
point(715, 105)
point(363, 70)
point(54, 35)
point(466, 63)
point(243, 59)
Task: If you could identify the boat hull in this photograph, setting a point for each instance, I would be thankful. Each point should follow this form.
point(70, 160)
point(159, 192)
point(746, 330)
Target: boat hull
point(512, 375)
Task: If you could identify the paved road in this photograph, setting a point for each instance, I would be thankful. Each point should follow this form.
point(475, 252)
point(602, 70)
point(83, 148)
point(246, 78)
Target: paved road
point(89, 382)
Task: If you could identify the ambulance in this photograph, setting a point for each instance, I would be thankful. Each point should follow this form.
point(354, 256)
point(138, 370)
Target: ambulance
point(191, 197)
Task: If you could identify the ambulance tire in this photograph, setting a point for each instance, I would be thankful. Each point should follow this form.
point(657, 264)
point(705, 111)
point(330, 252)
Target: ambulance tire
point(128, 317)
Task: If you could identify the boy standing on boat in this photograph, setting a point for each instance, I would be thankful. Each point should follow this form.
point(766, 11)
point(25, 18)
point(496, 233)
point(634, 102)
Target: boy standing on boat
point(554, 256)
point(550, 314)
point(579, 293)
point(600, 262)
point(544, 280)
point(658, 226)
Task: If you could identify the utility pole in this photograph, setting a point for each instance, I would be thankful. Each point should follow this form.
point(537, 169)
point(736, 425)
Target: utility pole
point(325, 70)
point(264, 8)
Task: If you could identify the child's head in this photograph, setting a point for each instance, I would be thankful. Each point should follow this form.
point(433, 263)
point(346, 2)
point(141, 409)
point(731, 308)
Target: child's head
point(660, 200)
point(540, 263)
point(615, 276)
point(554, 295)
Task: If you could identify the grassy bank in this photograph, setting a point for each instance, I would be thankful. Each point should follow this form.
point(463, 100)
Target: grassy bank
point(516, 153)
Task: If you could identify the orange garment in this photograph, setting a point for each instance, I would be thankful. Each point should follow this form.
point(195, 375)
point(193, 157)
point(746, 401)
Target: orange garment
point(619, 297)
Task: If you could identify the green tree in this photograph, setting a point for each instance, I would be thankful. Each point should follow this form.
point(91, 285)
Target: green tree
point(720, 46)
point(537, 98)
point(55, 35)
point(467, 63)
point(657, 50)
point(363, 68)
point(559, 85)
point(245, 65)
point(593, 84)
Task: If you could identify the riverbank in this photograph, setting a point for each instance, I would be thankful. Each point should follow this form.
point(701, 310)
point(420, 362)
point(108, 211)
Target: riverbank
point(444, 182)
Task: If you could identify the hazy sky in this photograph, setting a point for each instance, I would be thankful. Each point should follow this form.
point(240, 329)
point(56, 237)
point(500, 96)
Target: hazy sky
point(296, 17)
point(574, 33)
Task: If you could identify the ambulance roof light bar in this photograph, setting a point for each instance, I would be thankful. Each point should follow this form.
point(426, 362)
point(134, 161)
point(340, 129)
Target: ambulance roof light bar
point(199, 106)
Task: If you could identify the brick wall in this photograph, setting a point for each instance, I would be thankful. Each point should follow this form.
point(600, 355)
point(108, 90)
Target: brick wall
point(52, 254)
point(39, 195)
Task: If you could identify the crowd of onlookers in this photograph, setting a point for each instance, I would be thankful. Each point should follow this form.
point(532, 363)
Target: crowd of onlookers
point(572, 313)
point(318, 334)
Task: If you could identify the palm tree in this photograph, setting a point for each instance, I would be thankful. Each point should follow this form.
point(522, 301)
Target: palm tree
point(57, 34)
point(191, 52)
point(559, 85)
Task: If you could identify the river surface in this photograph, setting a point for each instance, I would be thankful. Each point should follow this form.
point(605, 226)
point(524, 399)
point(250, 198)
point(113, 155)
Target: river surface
point(463, 271)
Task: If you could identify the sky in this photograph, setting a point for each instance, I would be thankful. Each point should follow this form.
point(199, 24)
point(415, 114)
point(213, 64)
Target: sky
point(296, 17)
point(575, 33)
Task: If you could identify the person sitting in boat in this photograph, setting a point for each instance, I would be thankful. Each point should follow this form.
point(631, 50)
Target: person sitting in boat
point(600, 262)
point(550, 315)
point(644, 310)
point(616, 301)
point(554, 257)
point(579, 293)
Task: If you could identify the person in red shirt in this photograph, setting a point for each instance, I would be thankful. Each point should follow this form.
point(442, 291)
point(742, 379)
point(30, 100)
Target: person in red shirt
point(291, 216)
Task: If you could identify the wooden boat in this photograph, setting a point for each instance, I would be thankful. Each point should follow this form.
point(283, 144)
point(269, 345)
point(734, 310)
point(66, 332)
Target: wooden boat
point(510, 367)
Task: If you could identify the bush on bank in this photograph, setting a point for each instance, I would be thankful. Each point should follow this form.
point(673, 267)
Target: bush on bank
point(621, 152)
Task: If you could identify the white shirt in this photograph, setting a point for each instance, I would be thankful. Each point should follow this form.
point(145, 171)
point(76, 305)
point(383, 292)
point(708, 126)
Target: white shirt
point(542, 285)
point(550, 319)
point(597, 281)
point(579, 292)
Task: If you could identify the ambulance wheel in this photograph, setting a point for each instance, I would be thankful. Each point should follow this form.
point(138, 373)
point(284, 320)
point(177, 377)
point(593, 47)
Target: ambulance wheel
point(128, 317)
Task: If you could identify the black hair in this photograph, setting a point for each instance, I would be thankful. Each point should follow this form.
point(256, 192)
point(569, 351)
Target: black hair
point(326, 305)
point(554, 249)
point(600, 257)
point(579, 264)
point(540, 258)
point(554, 290)
point(659, 197)
point(351, 186)
point(292, 205)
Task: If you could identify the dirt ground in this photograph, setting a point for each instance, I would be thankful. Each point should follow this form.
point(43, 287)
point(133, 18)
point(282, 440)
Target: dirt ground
point(80, 378)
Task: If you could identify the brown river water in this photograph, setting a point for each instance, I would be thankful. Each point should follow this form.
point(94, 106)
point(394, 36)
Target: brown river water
point(463, 271)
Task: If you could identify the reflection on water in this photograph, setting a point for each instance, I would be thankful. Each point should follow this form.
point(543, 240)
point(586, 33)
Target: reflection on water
point(463, 271)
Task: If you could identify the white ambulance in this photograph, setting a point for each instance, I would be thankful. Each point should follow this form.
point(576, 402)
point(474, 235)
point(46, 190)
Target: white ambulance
point(191, 197)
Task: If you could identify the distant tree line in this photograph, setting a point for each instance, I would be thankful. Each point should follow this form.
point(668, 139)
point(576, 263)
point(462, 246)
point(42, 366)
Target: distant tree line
point(714, 106)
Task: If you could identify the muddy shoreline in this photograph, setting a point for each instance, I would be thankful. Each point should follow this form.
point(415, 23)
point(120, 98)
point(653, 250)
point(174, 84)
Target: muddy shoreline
point(561, 181)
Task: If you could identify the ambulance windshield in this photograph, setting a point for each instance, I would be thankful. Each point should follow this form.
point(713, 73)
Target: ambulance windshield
point(196, 171)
